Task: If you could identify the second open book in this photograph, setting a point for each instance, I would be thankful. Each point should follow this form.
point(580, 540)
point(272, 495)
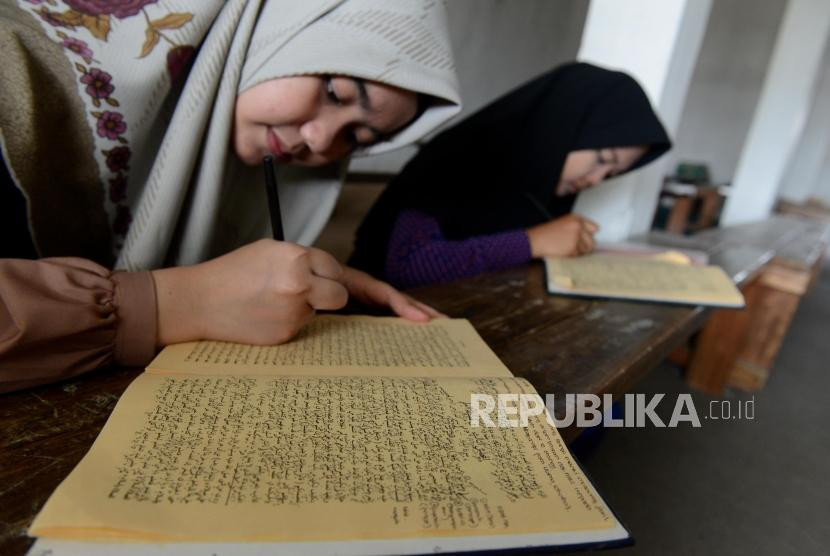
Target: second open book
point(661, 275)
point(354, 438)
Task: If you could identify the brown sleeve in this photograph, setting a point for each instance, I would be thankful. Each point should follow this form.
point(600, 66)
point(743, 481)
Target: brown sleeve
point(65, 316)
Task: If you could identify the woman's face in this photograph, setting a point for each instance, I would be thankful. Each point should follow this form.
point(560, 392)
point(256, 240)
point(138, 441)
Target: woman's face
point(313, 120)
point(586, 168)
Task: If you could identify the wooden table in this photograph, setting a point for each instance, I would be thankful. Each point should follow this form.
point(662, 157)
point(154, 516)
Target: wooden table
point(44, 433)
point(562, 345)
point(738, 348)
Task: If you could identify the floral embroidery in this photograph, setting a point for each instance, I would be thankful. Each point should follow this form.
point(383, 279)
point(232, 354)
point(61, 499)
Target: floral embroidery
point(53, 18)
point(118, 158)
point(77, 46)
point(98, 84)
point(179, 55)
point(110, 124)
point(178, 59)
point(118, 187)
point(96, 17)
point(118, 8)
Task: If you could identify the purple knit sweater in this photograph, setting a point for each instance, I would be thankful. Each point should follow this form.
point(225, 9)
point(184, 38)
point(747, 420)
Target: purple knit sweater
point(418, 254)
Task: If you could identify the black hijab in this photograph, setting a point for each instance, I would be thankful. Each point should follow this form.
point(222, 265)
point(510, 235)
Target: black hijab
point(497, 170)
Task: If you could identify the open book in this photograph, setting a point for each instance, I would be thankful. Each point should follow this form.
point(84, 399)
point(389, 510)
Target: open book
point(668, 277)
point(355, 438)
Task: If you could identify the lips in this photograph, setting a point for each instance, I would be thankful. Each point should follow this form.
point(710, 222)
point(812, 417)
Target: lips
point(276, 147)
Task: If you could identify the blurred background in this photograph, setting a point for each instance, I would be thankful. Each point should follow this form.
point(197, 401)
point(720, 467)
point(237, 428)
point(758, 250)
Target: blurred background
point(742, 86)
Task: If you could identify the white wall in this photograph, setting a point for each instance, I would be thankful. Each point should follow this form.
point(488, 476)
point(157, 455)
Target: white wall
point(821, 190)
point(657, 42)
point(781, 114)
point(726, 84)
point(801, 179)
point(498, 45)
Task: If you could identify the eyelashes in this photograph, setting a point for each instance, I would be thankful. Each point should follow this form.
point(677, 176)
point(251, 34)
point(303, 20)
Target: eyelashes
point(331, 94)
point(350, 133)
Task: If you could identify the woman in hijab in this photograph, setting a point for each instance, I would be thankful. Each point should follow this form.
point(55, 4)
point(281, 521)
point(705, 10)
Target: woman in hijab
point(496, 190)
point(118, 153)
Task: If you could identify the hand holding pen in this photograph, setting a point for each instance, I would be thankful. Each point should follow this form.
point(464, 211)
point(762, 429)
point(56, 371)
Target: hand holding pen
point(329, 279)
point(264, 292)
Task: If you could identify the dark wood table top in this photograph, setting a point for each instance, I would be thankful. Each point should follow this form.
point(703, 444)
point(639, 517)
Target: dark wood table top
point(561, 345)
point(564, 345)
point(44, 433)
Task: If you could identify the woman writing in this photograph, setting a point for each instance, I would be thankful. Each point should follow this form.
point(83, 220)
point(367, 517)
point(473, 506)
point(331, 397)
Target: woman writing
point(114, 158)
point(496, 190)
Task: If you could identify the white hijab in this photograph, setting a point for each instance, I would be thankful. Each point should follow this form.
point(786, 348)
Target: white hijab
point(198, 200)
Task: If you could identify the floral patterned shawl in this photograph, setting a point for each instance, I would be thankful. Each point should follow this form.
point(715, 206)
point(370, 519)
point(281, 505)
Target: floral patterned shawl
point(121, 148)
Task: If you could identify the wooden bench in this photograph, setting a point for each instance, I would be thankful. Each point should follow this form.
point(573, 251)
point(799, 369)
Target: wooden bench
point(561, 345)
point(738, 348)
point(687, 208)
point(811, 208)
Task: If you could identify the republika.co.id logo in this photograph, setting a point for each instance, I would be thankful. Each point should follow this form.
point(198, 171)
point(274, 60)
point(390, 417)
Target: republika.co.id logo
point(589, 410)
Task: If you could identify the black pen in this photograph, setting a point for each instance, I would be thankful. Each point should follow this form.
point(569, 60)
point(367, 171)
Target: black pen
point(273, 198)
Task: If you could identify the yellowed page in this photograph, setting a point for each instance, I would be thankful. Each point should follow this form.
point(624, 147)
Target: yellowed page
point(302, 459)
point(335, 345)
point(641, 279)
